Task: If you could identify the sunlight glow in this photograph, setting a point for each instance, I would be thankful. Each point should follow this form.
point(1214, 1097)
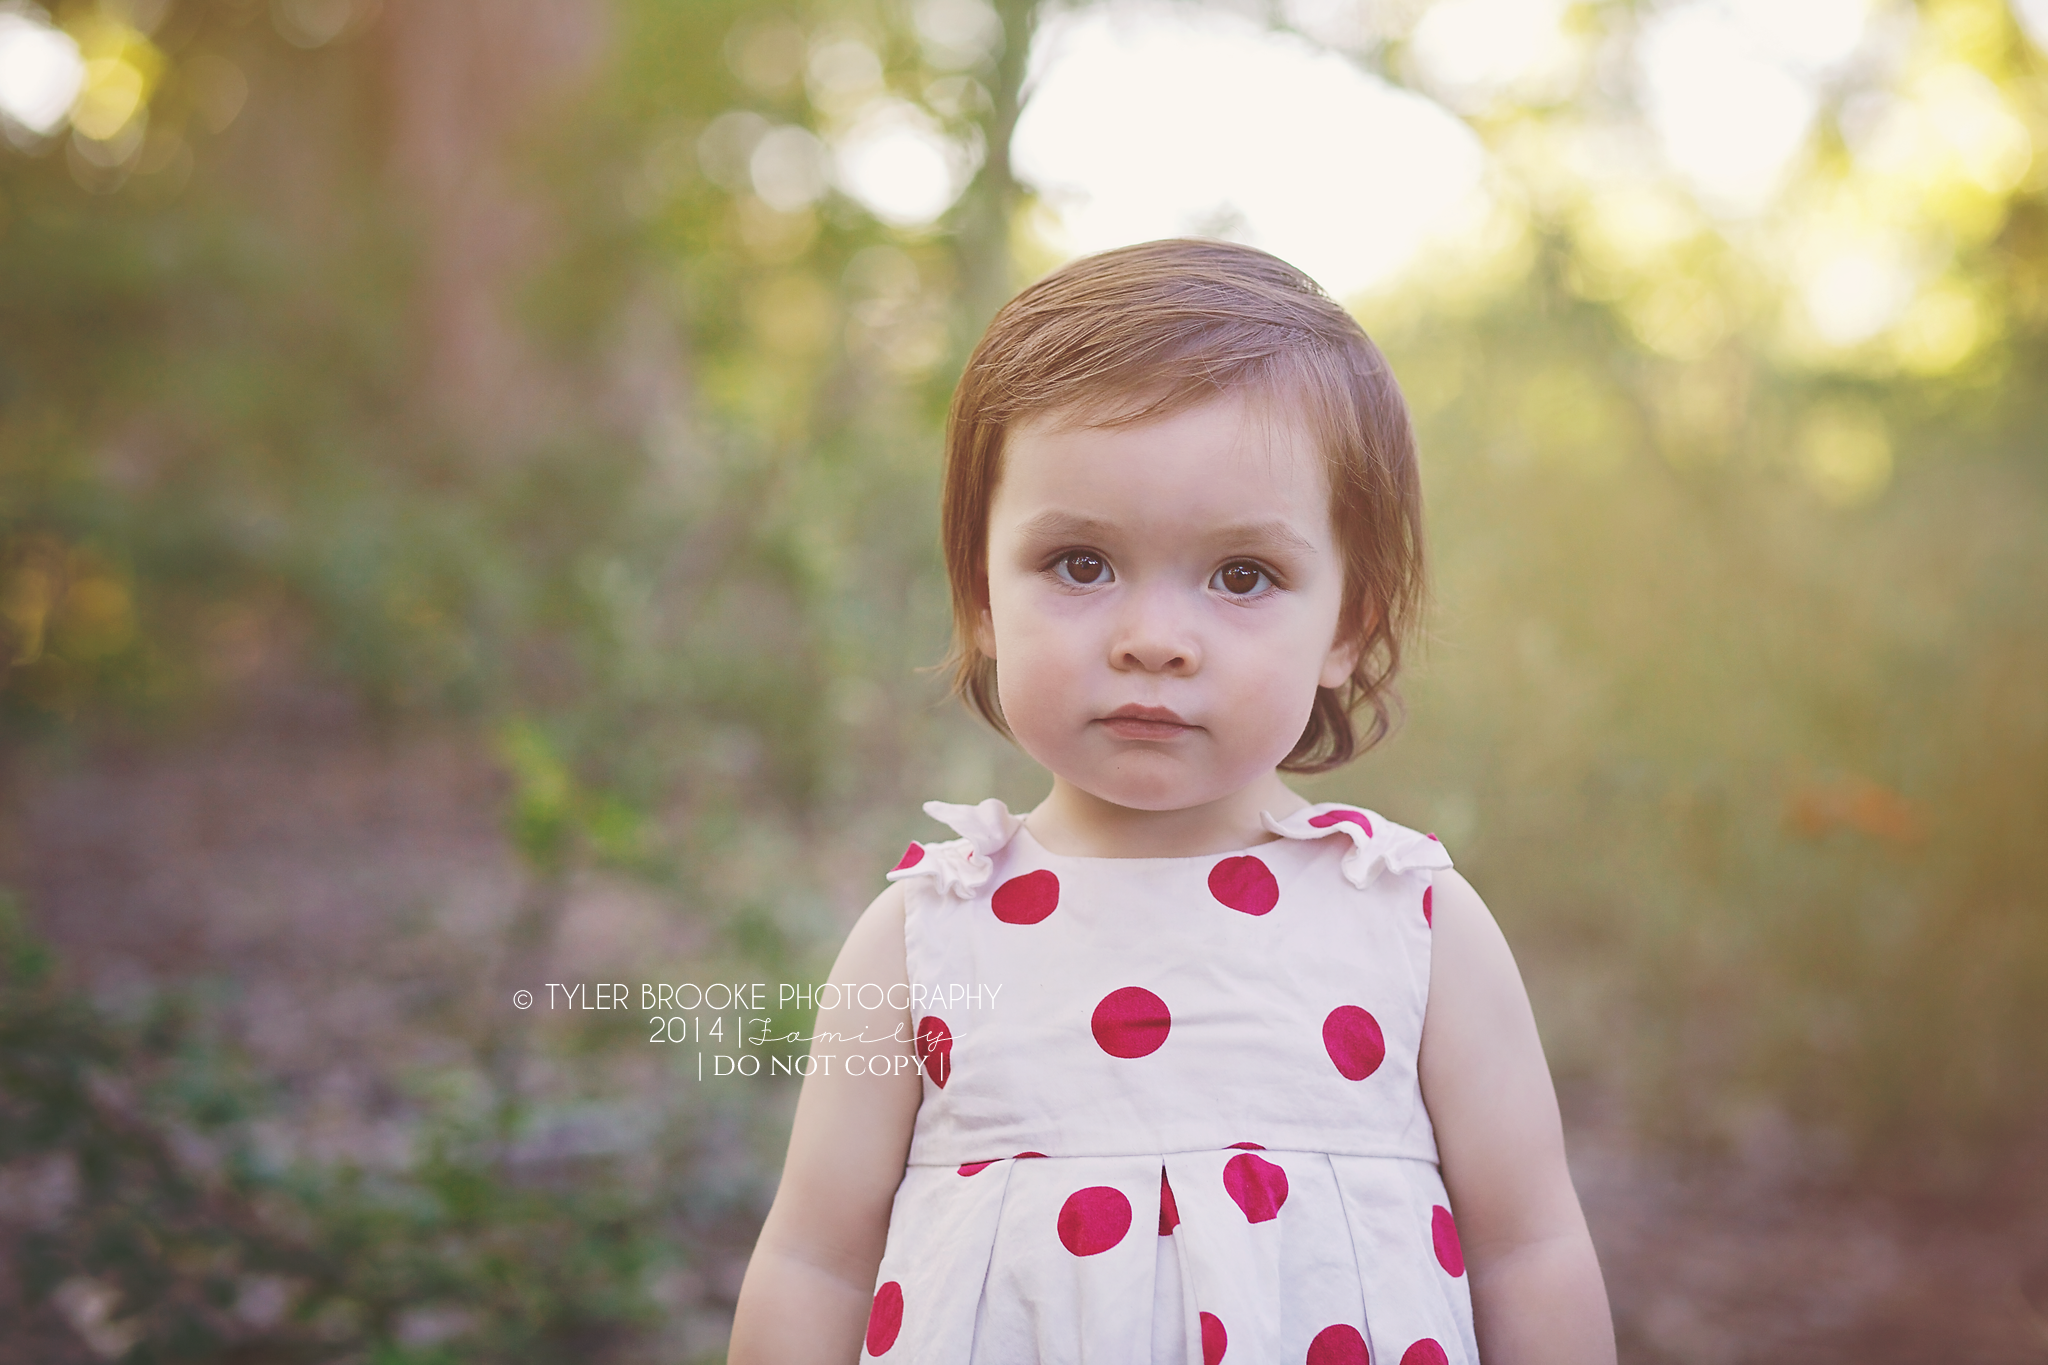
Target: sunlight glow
point(121, 71)
point(897, 162)
point(1351, 25)
point(41, 71)
point(958, 35)
point(843, 75)
point(1151, 120)
point(1475, 50)
point(788, 168)
point(2033, 17)
point(1950, 119)
point(1855, 291)
point(1940, 330)
point(1633, 227)
point(1731, 119)
point(1809, 35)
point(113, 95)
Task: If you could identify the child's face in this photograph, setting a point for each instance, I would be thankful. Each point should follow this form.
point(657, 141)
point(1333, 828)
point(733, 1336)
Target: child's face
point(1186, 565)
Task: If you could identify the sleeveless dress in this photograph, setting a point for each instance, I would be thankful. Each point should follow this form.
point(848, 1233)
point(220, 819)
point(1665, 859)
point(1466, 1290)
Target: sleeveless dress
point(1171, 1109)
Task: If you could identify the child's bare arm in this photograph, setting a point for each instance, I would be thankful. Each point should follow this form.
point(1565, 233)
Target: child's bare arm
point(807, 1290)
point(1537, 1295)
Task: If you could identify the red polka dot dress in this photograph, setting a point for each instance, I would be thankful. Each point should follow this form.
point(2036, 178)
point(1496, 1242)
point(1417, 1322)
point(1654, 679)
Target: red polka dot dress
point(1170, 1107)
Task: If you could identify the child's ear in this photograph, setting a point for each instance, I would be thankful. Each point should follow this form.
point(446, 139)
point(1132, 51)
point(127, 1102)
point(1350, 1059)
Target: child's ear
point(985, 633)
point(1345, 653)
point(1337, 665)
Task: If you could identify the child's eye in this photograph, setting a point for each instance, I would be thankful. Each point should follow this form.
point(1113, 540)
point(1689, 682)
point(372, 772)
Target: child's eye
point(1082, 568)
point(1242, 579)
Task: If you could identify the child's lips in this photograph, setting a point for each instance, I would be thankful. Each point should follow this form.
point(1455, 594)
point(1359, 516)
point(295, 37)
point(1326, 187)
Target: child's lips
point(1144, 722)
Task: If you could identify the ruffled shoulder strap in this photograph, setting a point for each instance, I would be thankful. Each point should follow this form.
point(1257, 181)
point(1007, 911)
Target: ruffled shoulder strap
point(1377, 843)
point(961, 866)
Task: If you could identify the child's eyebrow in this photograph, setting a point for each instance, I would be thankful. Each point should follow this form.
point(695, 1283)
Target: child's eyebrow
point(1257, 535)
point(1264, 535)
point(1054, 524)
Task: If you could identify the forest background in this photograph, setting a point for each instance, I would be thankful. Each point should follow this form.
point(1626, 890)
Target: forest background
point(468, 487)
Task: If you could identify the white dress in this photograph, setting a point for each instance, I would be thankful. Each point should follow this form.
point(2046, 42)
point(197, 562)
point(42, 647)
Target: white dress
point(1171, 1110)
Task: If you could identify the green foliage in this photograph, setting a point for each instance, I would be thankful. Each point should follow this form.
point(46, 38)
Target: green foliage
point(179, 1238)
point(1734, 762)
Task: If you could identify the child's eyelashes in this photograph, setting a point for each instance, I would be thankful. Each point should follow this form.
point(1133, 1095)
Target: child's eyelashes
point(1242, 578)
point(1082, 569)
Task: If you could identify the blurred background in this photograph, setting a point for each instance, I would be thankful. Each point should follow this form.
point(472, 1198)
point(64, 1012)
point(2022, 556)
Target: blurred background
point(468, 488)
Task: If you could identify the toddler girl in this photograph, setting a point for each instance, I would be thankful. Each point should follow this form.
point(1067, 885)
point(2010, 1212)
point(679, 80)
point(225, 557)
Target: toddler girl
point(1177, 1067)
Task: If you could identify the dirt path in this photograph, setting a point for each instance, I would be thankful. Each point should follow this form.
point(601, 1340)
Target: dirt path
point(349, 888)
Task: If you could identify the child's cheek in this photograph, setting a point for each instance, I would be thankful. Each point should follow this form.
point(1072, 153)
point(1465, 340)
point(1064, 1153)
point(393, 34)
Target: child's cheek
point(1037, 663)
point(1053, 662)
point(1279, 663)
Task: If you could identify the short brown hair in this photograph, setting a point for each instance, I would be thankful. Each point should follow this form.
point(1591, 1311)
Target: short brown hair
point(1145, 331)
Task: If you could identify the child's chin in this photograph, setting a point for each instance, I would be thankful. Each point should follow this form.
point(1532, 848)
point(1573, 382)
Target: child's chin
point(1170, 788)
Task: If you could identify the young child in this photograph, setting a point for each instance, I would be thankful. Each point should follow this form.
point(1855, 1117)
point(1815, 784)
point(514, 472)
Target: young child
point(1177, 1067)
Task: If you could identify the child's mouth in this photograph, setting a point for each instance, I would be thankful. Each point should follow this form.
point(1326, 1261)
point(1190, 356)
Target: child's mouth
point(1144, 722)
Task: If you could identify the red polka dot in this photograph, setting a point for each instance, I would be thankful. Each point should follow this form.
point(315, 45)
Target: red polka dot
point(1443, 1230)
point(1246, 1147)
point(1425, 1352)
point(1428, 917)
point(1131, 1022)
point(1338, 1344)
point(1215, 1341)
point(1023, 1155)
point(1169, 1211)
point(1434, 840)
point(1256, 1185)
point(1094, 1220)
point(1244, 883)
point(912, 856)
point(934, 1047)
point(1026, 899)
point(1337, 817)
point(975, 1167)
point(885, 1319)
point(1354, 1041)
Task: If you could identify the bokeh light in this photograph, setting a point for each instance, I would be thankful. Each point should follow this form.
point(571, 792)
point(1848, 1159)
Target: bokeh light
point(1474, 52)
point(1223, 127)
point(41, 71)
point(896, 160)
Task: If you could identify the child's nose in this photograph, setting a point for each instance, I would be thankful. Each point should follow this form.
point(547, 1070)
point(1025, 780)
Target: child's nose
point(1155, 635)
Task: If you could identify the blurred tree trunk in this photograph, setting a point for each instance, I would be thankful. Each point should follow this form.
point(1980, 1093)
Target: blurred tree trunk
point(984, 237)
point(469, 81)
